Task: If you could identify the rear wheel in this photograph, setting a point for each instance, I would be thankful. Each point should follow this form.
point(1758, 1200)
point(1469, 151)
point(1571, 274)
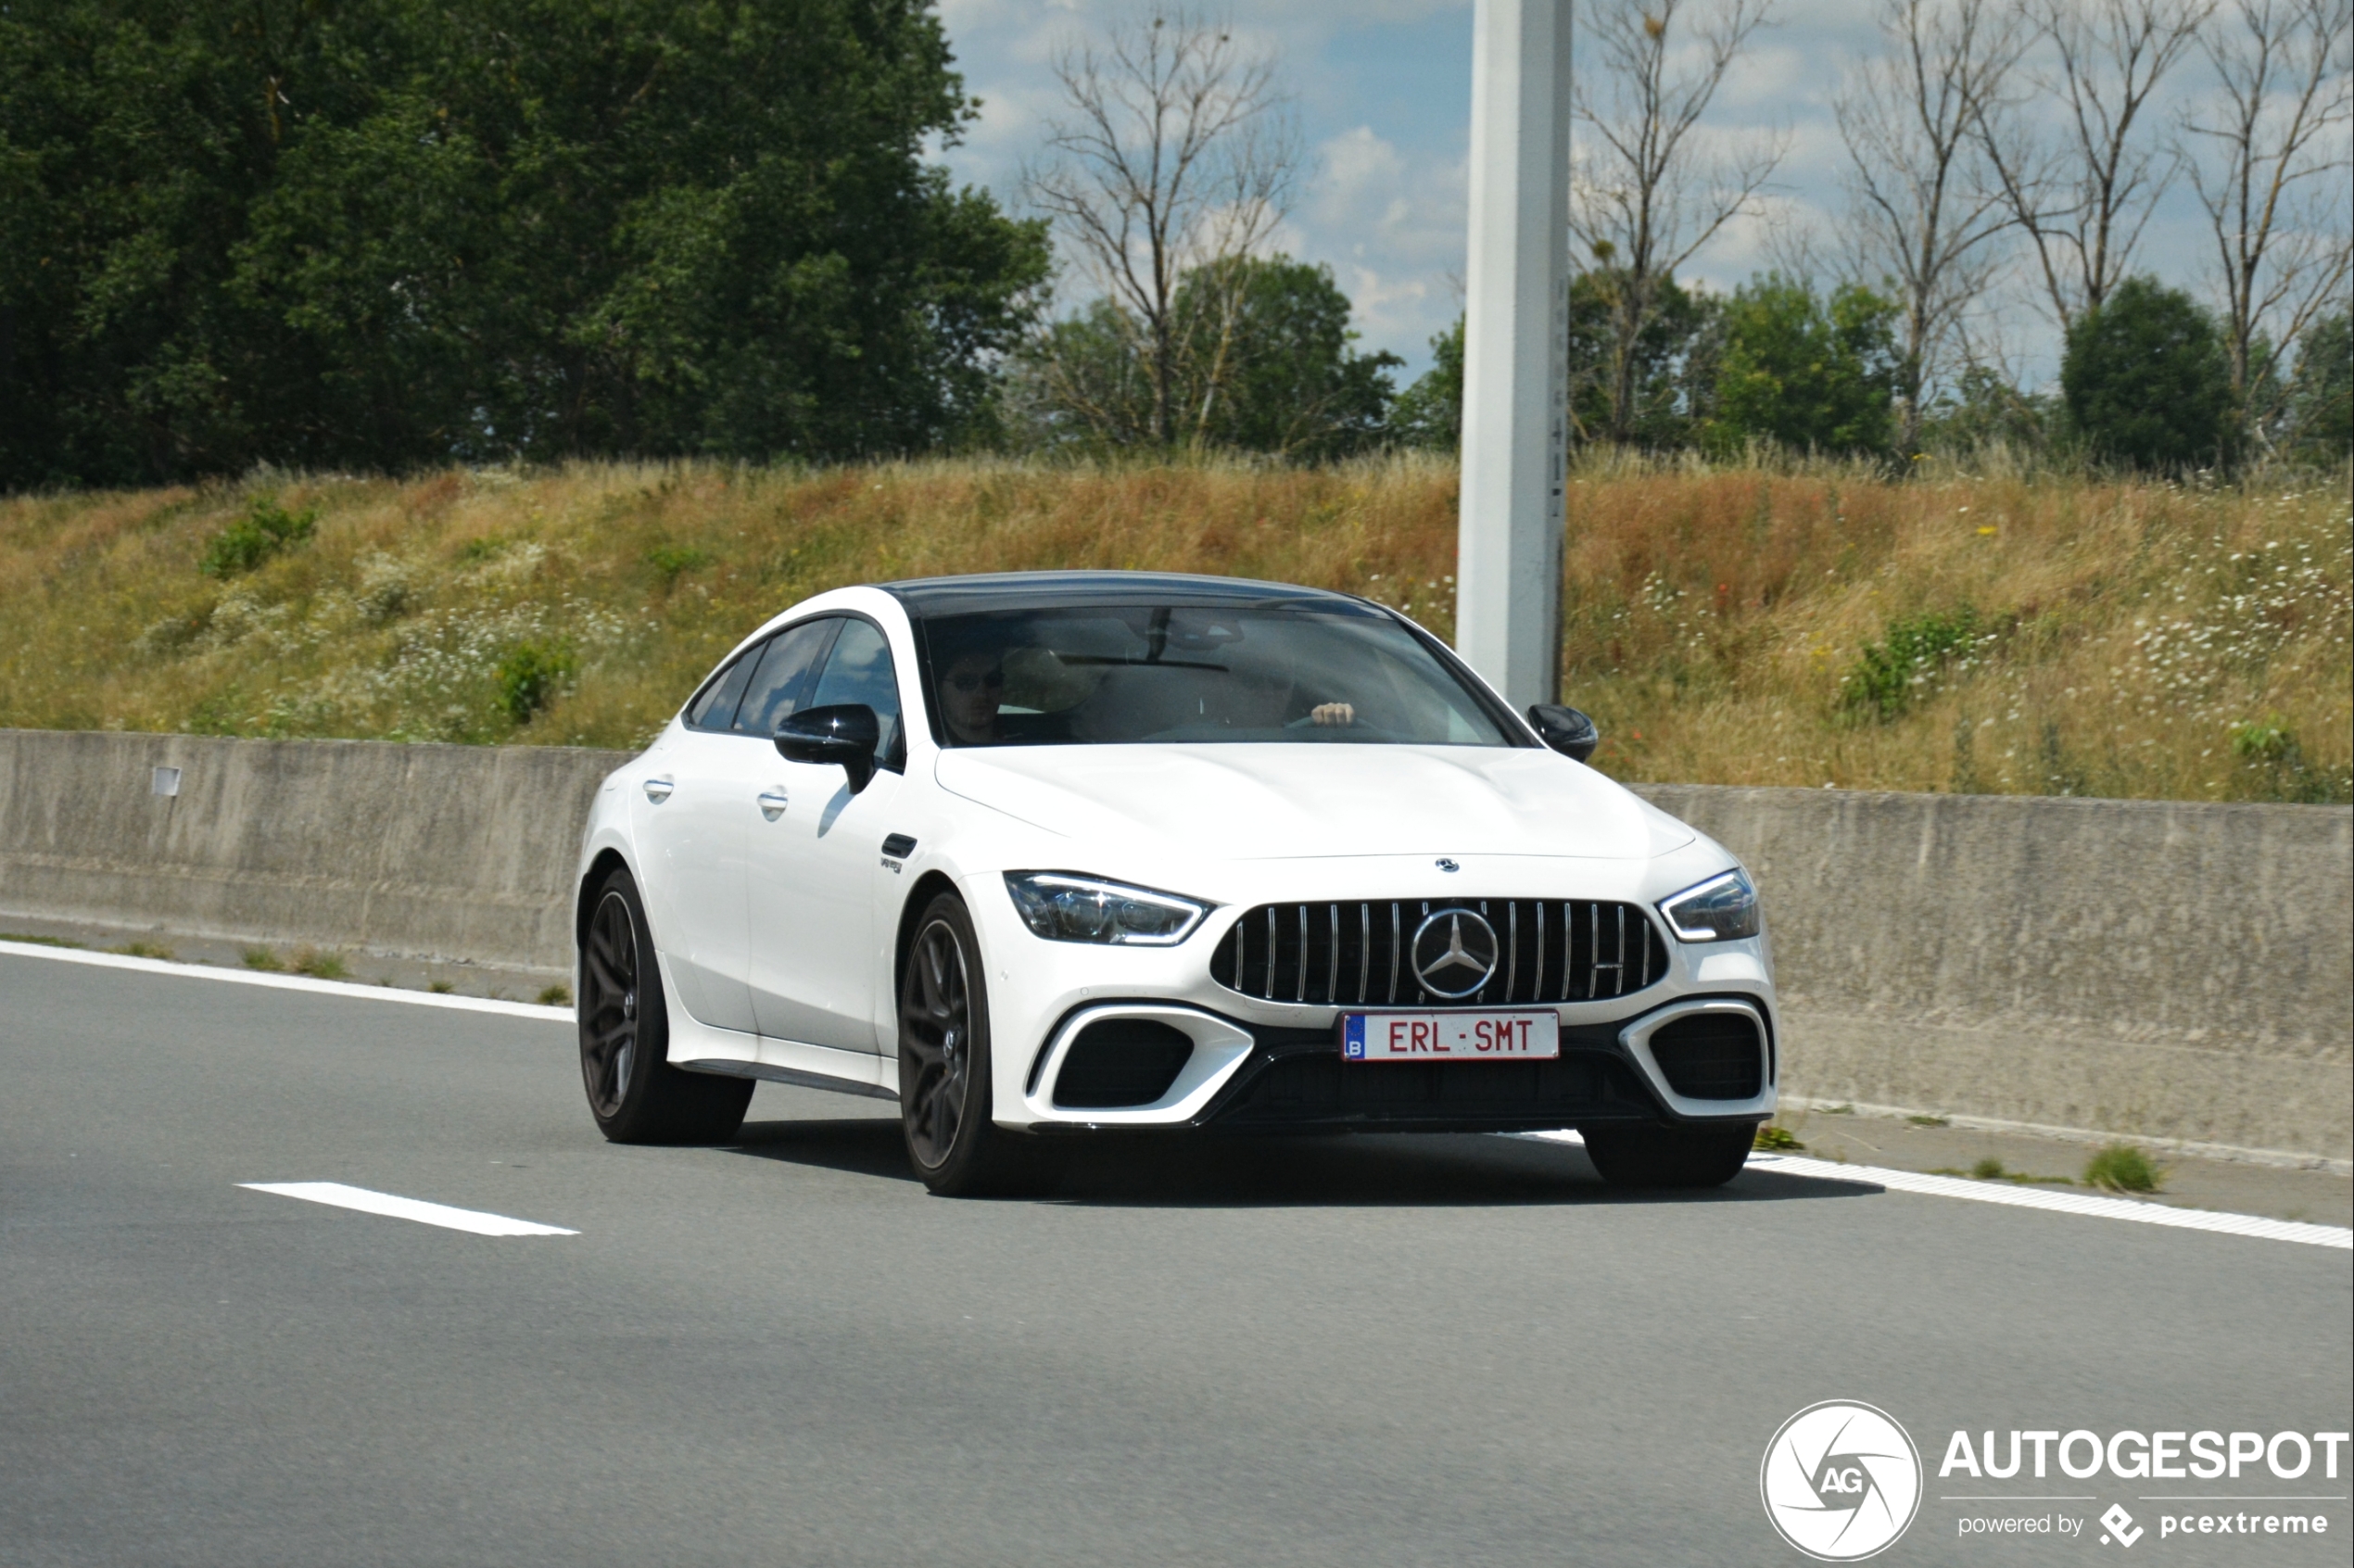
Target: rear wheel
point(1670, 1156)
point(634, 1093)
point(944, 1064)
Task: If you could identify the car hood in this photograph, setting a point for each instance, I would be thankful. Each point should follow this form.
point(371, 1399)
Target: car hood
point(1270, 802)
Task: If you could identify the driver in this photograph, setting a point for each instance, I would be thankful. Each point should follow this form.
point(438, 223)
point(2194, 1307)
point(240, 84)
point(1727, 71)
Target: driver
point(971, 685)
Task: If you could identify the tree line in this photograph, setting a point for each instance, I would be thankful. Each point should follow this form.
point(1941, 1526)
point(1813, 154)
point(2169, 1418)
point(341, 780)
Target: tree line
point(380, 234)
point(376, 234)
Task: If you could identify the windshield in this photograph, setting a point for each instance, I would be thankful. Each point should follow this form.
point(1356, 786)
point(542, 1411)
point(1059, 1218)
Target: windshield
point(1186, 673)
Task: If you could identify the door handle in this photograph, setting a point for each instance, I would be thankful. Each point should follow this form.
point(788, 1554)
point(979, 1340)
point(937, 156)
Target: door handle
point(658, 790)
point(772, 804)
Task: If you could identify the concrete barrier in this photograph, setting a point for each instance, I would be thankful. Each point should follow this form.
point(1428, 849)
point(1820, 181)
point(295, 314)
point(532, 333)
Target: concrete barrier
point(407, 850)
point(2176, 970)
point(2170, 970)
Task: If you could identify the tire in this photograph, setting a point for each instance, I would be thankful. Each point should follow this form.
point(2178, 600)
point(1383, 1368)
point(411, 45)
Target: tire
point(634, 1093)
point(1670, 1156)
point(945, 1096)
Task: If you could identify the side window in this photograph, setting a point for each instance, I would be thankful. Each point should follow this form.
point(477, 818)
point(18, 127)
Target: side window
point(859, 670)
point(714, 706)
point(780, 686)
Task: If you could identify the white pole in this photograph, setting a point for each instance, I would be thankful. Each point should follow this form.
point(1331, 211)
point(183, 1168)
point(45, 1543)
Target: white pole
point(1508, 569)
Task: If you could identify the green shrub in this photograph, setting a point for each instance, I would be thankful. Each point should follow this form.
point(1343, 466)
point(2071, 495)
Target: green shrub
point(672, 561)
point(2121, 1167)
point(529, 678)
point(320, 966)
point(1772, 1137)
point(2271, 750)
point(1881, 683)
point(267, 529)
point(556, 996)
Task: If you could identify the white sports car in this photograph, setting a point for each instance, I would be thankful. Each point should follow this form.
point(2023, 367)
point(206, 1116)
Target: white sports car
point(1041, 855)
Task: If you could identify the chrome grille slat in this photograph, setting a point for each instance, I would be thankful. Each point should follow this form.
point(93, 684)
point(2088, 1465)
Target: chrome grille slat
point(1331, 962)
point(1270, 952)
point(1303, 954)
point(1392, 952)
point(1364, 948)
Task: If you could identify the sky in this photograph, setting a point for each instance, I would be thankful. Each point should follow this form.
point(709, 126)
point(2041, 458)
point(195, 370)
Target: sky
point(1381, 91)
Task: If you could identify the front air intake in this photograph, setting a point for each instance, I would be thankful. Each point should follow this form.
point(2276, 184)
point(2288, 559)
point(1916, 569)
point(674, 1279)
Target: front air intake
point(1710, 1055)
point(1119, 1063)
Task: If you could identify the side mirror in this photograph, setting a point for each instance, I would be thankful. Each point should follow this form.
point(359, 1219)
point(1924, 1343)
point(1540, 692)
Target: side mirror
point(846, 733)
point(1565, 730)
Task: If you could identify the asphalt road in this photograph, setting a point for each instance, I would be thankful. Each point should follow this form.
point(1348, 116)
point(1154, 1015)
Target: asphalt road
point(1376, 1351)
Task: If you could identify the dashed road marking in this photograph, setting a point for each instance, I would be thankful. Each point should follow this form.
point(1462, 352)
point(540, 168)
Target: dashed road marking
point(340, 1196)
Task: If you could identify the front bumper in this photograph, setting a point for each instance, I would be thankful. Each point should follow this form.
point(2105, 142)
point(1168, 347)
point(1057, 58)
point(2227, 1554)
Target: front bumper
point(1272, 1065)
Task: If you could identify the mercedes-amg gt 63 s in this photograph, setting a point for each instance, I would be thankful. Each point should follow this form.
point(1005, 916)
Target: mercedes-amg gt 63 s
point(1046, 855)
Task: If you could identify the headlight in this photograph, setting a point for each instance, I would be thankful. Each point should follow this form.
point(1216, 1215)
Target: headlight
point(1719, 910)
point(1065, 907)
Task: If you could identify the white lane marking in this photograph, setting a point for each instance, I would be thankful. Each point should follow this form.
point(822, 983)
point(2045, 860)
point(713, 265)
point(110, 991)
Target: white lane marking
point(286, 982)
point(366, 1202)
point(2338, 1236)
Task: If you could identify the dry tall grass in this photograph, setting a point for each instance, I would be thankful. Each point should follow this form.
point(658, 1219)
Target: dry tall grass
point(2123, 638)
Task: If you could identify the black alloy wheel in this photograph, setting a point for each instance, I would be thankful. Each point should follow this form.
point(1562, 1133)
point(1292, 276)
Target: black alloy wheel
point(609, 1004)
point(634, 1093)
point(943, 1066)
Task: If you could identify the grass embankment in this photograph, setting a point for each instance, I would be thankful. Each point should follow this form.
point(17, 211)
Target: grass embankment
point(1741, 626)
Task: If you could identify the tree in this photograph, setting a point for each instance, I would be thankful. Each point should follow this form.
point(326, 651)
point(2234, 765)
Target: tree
point(389, 232)
point(1646, 197)
point(1174, 156)
point(2317, 418)
point(1285, 380)
point(1808, 373)
point(2269, 161)
point(1661, 376)
point(2084, 202)
point(1281, 376)
point(1430, 413)
point(2147, 380)
point(1911, 120)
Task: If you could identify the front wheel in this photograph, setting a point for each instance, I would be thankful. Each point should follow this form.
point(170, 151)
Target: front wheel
point(634, 1093)
point(943, 1064)
point(1670, 1156)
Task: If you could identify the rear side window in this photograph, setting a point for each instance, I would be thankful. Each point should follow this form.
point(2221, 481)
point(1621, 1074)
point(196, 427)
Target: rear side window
point(714, 706)
point(780, 687)
point(860, 670)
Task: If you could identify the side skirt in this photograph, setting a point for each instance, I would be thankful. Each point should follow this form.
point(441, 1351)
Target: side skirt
point(793, 1075)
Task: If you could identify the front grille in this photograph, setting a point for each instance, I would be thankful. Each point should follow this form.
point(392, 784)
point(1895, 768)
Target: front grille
point(1355, 954)
point(1711, 1056)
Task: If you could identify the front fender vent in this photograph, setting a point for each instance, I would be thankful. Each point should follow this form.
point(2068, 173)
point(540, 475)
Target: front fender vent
point(1355, 954)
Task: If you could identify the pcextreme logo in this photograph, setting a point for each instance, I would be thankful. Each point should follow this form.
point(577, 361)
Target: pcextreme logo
point(1841, 1481)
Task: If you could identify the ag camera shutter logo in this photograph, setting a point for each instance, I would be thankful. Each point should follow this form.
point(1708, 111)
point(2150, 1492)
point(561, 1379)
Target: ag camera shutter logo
point(1841, 1481)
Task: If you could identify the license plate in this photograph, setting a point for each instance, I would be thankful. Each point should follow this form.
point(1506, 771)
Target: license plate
point(1450, 1037)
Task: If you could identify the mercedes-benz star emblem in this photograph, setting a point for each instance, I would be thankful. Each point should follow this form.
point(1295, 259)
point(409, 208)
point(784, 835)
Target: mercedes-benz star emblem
point(1454, 953)
point(1449, 865)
